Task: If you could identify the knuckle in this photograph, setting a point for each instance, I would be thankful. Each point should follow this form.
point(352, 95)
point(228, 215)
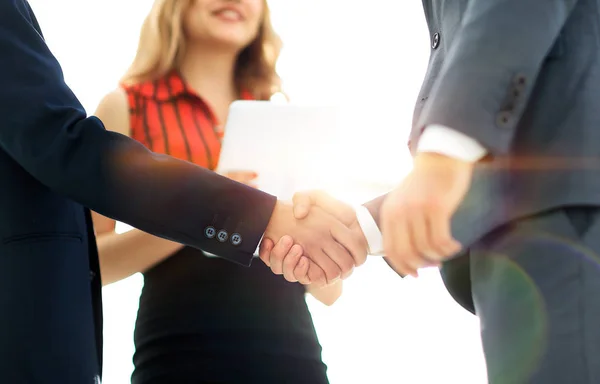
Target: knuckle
point(348, 274)
point(297, 249)
point(347, 265)
point(277, 257)
point(291, 279)
point(286, 242)
point(438, 244)
point(300, 274)
point(292, 257)
point(424, 250)
point(318, 279)
point(419, 204)
point(332, 274)
point(436, 204)
point(362, 258)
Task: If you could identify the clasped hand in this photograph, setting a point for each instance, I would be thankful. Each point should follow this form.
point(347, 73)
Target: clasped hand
point(414, 221)
point(314, 246)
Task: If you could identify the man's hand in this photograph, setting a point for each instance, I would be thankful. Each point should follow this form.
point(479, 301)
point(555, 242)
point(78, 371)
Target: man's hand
point(415, 217)
point(287, 259)
point(329, 247)
point(303, 201)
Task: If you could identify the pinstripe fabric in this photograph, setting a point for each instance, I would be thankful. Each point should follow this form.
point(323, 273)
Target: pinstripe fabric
point(168, 117)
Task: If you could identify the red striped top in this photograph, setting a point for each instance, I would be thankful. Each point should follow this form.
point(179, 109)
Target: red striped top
point(169, 117)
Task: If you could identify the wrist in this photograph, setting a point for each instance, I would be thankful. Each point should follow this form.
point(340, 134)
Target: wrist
point(359, 233)
point(274, 226)
point(434, 162)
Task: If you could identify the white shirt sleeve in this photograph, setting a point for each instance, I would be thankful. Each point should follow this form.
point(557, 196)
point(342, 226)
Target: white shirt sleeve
point(449, 142)
point(371, 231)
point(435, 138)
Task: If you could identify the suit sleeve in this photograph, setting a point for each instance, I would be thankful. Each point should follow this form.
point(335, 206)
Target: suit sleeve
point(491, 68)
point(45, 129)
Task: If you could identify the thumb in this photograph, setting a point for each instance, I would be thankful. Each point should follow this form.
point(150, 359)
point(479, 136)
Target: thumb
point(302, 202)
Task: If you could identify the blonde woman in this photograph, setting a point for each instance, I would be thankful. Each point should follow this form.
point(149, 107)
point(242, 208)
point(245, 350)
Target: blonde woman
point(203, 319)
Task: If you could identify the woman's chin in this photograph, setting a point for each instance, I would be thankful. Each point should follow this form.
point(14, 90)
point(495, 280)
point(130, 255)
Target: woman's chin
point(232, 39)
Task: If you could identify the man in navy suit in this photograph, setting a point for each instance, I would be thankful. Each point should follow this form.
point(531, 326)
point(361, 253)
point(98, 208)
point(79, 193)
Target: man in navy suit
point(506, 139)
point(54, 161)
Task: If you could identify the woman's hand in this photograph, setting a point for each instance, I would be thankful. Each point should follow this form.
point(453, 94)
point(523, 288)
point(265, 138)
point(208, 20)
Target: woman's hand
point(244, 177)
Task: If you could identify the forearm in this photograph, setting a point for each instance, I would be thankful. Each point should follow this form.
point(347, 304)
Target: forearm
point(326, 295)
point(122, 255)
point(45, 130)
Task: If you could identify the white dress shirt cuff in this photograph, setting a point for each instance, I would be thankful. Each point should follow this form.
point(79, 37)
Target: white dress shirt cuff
point(449, 142)
point(371, 231)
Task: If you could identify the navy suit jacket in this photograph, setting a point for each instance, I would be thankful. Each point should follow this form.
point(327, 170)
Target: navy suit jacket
point(523, 79)
point(55, 165)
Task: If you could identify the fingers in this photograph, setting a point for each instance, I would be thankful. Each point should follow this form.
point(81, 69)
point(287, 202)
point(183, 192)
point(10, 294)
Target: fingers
point(290, 262)
point(332, 260)
point(304, 200)
point(325, 262)
point(441, 235)
point(331, 246)
point(278, 253)
point(342, 258)
point(418, 236)
point(429, 230)
point(327, 266)
point(285, 258)
point(353, 241)
point(302, 203)
point(316, 275)
point(396, 244)
point(422, 253)
point(301, 270)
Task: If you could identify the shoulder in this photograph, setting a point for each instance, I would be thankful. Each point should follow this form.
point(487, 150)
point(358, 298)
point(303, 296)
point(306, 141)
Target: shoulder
point(113, 111)
point(114, 99)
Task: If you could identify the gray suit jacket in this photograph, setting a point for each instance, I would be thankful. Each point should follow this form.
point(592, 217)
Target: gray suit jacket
point(523, 78)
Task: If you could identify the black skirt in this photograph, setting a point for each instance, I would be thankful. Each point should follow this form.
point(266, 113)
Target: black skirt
point(207, 320)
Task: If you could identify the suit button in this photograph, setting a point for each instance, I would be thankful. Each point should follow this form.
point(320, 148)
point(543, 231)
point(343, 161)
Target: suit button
point(435, 40)
point(236, 239)
point(520, 81)
point(222, 236)
point(210, 232)
point(504, 119)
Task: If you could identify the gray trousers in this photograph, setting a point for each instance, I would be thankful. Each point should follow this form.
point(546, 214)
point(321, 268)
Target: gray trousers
point(536, 289)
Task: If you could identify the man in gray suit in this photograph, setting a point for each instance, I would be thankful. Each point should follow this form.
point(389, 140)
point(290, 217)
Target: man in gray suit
point(506, 139)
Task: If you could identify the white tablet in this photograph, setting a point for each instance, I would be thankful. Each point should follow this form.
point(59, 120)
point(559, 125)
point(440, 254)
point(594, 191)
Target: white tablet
point(290, 146)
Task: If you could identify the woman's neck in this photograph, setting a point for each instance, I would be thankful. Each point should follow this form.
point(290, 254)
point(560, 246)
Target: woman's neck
point(211, 73)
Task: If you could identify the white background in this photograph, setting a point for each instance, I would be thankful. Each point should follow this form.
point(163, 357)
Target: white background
point(370, 56)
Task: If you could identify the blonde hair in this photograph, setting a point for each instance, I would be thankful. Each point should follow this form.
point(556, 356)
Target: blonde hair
point(162, 47)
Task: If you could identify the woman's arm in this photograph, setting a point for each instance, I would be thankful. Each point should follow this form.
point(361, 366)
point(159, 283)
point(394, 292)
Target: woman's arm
point(326, 295)
point(122, 255)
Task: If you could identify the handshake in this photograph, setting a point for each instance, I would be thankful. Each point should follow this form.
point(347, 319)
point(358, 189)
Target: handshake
point(318, 240)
